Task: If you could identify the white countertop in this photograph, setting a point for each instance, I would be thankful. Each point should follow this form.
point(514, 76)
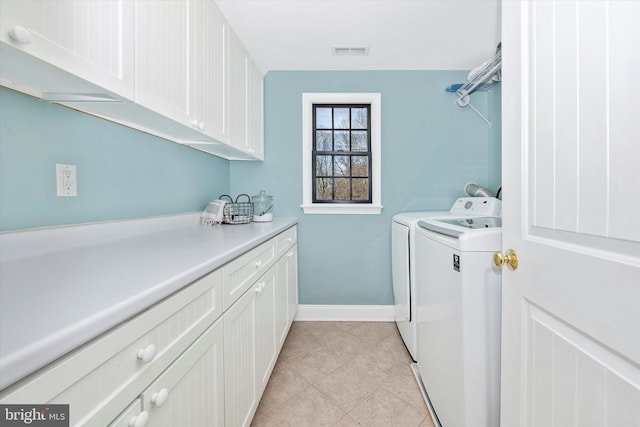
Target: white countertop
point(61, 287)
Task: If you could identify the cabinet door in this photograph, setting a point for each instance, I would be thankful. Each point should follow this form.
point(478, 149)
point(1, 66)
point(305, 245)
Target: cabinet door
point(282, 301)
point(209, 69)
point(286, 300)
point(162, 57)
point(238, 68)
point(132, 415)
point(255, 130)
point(292, 282)
point(91, 39)
point(191, 391)
point(241, 397)
point(265, 328)
point(245, 100)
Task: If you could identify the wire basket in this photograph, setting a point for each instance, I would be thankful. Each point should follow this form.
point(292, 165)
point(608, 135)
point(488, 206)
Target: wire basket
point(237, 212)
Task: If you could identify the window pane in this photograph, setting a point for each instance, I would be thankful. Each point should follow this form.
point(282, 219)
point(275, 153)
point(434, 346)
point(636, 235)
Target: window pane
point(324, 188)
point(323, 165)
point(323, 140)
point(343, 192)
point(341, 140)
point(323, 118)
point(360, 188)
point(359, 166)
point(341, 166)
point(358, 118)
point(341, 118)
point(359, 141)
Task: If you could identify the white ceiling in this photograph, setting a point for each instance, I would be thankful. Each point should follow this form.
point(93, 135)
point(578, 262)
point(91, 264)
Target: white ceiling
point(400, 34)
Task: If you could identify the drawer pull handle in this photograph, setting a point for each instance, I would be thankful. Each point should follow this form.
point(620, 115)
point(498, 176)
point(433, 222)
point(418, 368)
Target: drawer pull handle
point(160, 397)
point(139, 420)
point(290, 254)
point(146, 354)
point(259, 288)
point(258, 264)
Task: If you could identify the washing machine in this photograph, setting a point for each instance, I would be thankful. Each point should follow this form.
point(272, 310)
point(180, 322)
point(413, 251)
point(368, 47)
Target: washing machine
point(403, 262)
point(458, 307)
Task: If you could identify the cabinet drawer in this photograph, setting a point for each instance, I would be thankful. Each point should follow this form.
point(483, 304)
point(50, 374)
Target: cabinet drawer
point(105, 375)
point(241, 273)
point(285, 240)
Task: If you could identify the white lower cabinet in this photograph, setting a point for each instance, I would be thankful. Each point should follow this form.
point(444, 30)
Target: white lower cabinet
point(133, 416)
point(241, 396)
point(286, 294)
point(186, 361)
point(191, 391)
point(266, 351)
point(255, 328)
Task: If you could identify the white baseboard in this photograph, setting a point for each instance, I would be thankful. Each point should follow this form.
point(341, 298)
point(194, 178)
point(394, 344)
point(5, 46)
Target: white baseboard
point(345, 313)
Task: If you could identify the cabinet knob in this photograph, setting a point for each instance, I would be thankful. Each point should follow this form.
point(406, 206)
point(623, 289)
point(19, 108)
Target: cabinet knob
point(258, 264)
point(290, 254)
point(146, 354)
point(20, 34)
point(259, 288)
point(201, 126)
point(160, 397)
point(139, 420)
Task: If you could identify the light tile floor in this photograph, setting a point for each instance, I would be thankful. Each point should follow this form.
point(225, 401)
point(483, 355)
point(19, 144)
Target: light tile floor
point(342, 374)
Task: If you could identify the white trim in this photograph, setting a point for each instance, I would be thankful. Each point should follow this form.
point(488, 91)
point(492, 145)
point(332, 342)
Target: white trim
point(335, 208)
point(345, 313)
point(374, 99)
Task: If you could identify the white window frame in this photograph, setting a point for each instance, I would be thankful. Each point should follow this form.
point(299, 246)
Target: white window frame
point(373, 208)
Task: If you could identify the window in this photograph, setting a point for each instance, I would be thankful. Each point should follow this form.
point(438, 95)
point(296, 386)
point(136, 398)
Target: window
point(341, 153)
point(341, 158)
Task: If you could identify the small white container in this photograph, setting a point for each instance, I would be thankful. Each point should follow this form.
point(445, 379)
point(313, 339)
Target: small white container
point(262, 207)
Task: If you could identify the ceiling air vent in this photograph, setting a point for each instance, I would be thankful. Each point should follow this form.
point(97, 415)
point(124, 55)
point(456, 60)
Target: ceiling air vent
point(351, 50)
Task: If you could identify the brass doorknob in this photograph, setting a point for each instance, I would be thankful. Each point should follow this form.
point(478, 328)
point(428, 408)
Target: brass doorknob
point(510, 258)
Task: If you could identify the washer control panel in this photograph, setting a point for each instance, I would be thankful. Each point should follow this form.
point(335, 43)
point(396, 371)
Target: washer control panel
point(477, 206)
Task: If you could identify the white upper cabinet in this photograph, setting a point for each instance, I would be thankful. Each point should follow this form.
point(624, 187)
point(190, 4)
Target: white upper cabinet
point(255, 129)
point(181, 63)
point(184, 74)
point(245, 100)
point(90, 39)
point(209, 33)
point(237, 93)
point(162, 58)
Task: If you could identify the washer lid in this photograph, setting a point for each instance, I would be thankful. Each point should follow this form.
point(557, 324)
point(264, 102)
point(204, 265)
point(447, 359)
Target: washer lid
point(455, 227)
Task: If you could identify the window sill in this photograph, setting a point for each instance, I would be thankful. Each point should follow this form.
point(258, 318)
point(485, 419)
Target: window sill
point(341, 209)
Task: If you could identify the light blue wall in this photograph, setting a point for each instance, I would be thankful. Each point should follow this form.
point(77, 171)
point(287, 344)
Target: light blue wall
point(430, 149)
point(121, 173)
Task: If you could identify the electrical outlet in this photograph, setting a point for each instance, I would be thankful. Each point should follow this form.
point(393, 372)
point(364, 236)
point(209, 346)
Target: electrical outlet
point(66, 181)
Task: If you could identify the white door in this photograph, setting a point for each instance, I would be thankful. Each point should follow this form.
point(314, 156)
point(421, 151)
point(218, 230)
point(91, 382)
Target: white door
point(571, 179)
